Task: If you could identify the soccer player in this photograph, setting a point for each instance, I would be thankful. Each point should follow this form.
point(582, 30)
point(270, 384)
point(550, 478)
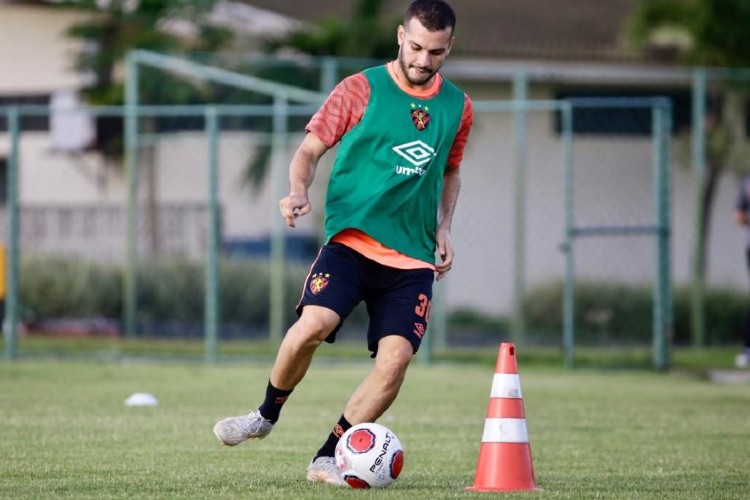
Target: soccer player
point(401, 130)
point(742, 215)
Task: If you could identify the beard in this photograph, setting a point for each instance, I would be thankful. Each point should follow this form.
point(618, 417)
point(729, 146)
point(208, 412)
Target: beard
point(422, 76)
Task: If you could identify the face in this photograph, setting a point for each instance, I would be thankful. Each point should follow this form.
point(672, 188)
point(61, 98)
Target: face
point(422, 52)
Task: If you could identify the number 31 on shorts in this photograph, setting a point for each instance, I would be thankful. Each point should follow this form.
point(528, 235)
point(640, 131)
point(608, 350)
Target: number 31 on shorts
point(423, 307)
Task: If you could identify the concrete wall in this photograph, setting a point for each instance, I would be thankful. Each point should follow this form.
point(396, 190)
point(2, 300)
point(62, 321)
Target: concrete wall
point(36, 57)
point(613, 183)
point(613, 186)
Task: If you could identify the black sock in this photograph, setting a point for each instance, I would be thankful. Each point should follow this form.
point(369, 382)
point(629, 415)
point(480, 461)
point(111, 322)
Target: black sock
point(275, 399)
point(329, 447)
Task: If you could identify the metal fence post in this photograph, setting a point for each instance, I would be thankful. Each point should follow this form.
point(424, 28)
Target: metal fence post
point(329, 71)
point(569, 285)
point(435, 339)
point(661, 123)
point(212, 262)
point(278, 177)
point(130, 276)
point(697, 296)
point(10, 323)
point(520, 92)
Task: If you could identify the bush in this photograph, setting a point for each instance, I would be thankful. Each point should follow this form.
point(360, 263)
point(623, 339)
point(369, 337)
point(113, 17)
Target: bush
point(724, 314)
point(468, 326)
point(605, 313)
point(617, 313)
point(612, 313)
point(170, 292)
point(58, 287)
point(171, 297)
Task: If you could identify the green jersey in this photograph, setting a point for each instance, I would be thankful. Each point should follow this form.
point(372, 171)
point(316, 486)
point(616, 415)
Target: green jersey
point(388, 174)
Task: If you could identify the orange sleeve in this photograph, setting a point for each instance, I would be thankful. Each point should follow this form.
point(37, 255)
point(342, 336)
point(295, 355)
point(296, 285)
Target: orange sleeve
point(457, 150)
point(342, 110)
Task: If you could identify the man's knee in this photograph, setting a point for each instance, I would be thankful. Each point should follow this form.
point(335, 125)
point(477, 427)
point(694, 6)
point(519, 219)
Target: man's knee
point(315, 324)
point(394, 354)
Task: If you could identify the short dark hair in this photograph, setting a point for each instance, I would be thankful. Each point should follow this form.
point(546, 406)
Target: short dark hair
point(435, 15)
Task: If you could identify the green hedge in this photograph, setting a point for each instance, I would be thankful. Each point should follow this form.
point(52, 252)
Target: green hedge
point(172, 291)
point(168, 291)
point(64, 288)
point(611, 313)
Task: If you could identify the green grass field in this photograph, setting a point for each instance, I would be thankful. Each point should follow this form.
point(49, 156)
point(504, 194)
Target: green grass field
point(66, 432)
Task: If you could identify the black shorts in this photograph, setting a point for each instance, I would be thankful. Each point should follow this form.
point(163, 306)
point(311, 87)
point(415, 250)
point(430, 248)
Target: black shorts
point(398, 300)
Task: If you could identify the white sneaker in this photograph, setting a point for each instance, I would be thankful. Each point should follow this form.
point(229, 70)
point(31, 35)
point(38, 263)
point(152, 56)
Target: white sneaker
point(234, 430)
point(742, 360)
point(324, 470)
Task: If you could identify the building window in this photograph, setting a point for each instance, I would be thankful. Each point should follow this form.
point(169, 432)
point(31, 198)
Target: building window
point(623, 120)
point(35, 123)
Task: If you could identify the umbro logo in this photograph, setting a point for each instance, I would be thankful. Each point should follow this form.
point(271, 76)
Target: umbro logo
point(419, 330)
point(416, 152)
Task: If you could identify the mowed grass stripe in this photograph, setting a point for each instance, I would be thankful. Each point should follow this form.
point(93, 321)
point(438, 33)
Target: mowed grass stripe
point(66, 432)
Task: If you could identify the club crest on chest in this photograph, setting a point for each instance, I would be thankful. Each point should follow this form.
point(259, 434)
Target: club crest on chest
point(420, 116)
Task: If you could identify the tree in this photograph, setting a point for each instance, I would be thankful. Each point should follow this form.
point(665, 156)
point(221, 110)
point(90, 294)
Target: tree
point(368, 35)
point(709, 33)
point(116, 27)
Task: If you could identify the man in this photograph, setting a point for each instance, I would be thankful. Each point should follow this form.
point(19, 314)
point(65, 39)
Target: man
point(402, 130)
point(741, 215)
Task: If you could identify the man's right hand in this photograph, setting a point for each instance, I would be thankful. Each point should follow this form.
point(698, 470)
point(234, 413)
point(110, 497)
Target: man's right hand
point(293, 206)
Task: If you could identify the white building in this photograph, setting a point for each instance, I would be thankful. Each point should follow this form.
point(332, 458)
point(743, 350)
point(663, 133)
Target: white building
point(73, 199)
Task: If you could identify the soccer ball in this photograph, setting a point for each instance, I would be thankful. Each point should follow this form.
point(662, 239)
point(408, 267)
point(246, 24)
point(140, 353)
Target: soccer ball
point(369, 456)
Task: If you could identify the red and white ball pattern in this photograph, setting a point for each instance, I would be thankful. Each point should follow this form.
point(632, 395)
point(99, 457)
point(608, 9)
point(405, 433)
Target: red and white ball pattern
point(369, 456)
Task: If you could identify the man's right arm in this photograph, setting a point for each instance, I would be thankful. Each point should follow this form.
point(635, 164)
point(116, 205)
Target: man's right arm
point(341, 111)
point(301, 175)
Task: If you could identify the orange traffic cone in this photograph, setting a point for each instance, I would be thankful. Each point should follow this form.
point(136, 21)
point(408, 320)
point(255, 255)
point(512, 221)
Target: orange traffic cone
point(505, 454)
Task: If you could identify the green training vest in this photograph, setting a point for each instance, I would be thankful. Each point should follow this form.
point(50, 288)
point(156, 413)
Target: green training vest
point(388, 174)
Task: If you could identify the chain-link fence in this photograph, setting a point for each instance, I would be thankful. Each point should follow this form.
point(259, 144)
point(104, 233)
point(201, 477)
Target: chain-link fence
point(181, 236)
point(192, 188)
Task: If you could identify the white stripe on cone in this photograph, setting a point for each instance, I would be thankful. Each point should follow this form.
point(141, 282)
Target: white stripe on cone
point(506, 385)
point(505, 430)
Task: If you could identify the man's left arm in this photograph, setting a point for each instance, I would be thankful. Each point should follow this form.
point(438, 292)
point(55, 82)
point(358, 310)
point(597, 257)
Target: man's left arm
point(451, 188)
point(448, 199)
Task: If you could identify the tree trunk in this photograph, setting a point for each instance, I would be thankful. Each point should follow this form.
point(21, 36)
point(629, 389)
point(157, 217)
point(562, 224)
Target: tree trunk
point(724, 134)
point(713, 174)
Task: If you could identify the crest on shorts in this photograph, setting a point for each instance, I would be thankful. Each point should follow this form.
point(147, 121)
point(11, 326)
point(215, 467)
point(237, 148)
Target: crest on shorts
point(420, 116)
point(318, 282)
